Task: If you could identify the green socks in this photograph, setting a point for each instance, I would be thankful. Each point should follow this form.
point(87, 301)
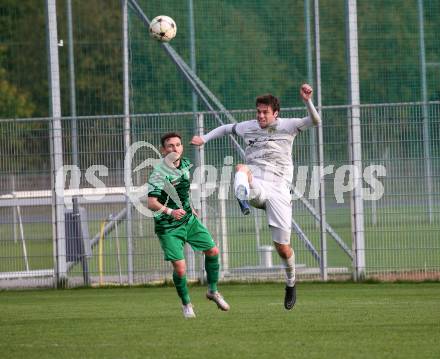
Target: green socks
point(212, 267)
point(182, 288)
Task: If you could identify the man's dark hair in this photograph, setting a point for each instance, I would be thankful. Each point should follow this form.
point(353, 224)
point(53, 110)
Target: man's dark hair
point(168, 135)
point(269, 100)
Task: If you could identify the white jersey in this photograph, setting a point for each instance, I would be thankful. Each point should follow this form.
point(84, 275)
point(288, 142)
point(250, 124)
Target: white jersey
point(268, 150)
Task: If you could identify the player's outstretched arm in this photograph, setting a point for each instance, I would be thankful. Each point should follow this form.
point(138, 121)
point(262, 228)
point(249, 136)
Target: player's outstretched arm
point(306, 93)
point(215, 133)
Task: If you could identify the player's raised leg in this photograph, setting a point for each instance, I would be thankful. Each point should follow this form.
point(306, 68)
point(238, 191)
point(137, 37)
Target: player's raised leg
point(241, 188)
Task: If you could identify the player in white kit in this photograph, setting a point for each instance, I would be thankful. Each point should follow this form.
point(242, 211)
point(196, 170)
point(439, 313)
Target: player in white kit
point(265, 181)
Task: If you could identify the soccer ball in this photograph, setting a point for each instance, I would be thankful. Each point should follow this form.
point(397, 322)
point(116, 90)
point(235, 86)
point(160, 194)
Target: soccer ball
point(163, 28)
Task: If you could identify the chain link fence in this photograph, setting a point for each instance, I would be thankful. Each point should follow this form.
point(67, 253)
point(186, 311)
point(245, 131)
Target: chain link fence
point(240, 50)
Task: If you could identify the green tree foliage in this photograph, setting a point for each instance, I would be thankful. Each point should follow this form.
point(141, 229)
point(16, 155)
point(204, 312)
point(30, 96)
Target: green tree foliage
point(240, 53)
point(389, 57)
point(18, 140)
point(23, 43)
point(97, 43)
point(13, 103)
point(97, 51)
point(242, 49)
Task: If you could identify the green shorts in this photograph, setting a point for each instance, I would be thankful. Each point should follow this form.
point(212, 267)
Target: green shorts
point(192, 232)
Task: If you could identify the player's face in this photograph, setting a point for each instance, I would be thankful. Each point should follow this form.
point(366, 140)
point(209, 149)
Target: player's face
point(173, 146)
point(265, 115)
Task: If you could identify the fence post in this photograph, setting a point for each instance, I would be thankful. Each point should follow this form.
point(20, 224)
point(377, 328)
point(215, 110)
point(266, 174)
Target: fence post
point(127, 139)
point(426, 136)
point(311, 81)
point(355, 154)
point(322, 223)
point(200, 156)
point(72, 88)
point(192, 49)
point(56, 147)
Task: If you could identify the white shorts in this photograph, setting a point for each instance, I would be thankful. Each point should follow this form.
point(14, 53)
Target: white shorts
point(275, 198)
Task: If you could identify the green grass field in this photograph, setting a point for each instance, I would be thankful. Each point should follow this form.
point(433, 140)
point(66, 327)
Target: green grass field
point(343, 320)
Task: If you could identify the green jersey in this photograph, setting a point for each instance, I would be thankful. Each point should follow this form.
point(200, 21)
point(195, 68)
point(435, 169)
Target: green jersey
point(171, 187)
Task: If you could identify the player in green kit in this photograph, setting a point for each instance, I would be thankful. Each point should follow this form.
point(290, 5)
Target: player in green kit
point(176, 223)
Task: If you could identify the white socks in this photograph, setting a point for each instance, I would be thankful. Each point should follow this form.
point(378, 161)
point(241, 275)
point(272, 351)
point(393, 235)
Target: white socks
point(289, 264)
point(240, 182)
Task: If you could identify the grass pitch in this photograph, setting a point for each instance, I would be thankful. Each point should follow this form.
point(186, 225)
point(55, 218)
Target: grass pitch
point(333, 320)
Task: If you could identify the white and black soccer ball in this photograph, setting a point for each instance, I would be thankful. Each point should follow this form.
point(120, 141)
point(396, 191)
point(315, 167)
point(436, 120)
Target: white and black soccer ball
point(163, 28)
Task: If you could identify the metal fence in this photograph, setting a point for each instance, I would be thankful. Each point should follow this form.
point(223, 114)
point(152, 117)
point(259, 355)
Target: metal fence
point(95, 62)
point(401, 227)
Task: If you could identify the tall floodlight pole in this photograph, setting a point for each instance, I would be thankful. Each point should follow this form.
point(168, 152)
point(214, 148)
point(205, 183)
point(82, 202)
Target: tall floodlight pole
point(72, 90)
point(323, 223)
point(127, 139)
point(426, 135)
point(56, 147)
point(355, 153)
